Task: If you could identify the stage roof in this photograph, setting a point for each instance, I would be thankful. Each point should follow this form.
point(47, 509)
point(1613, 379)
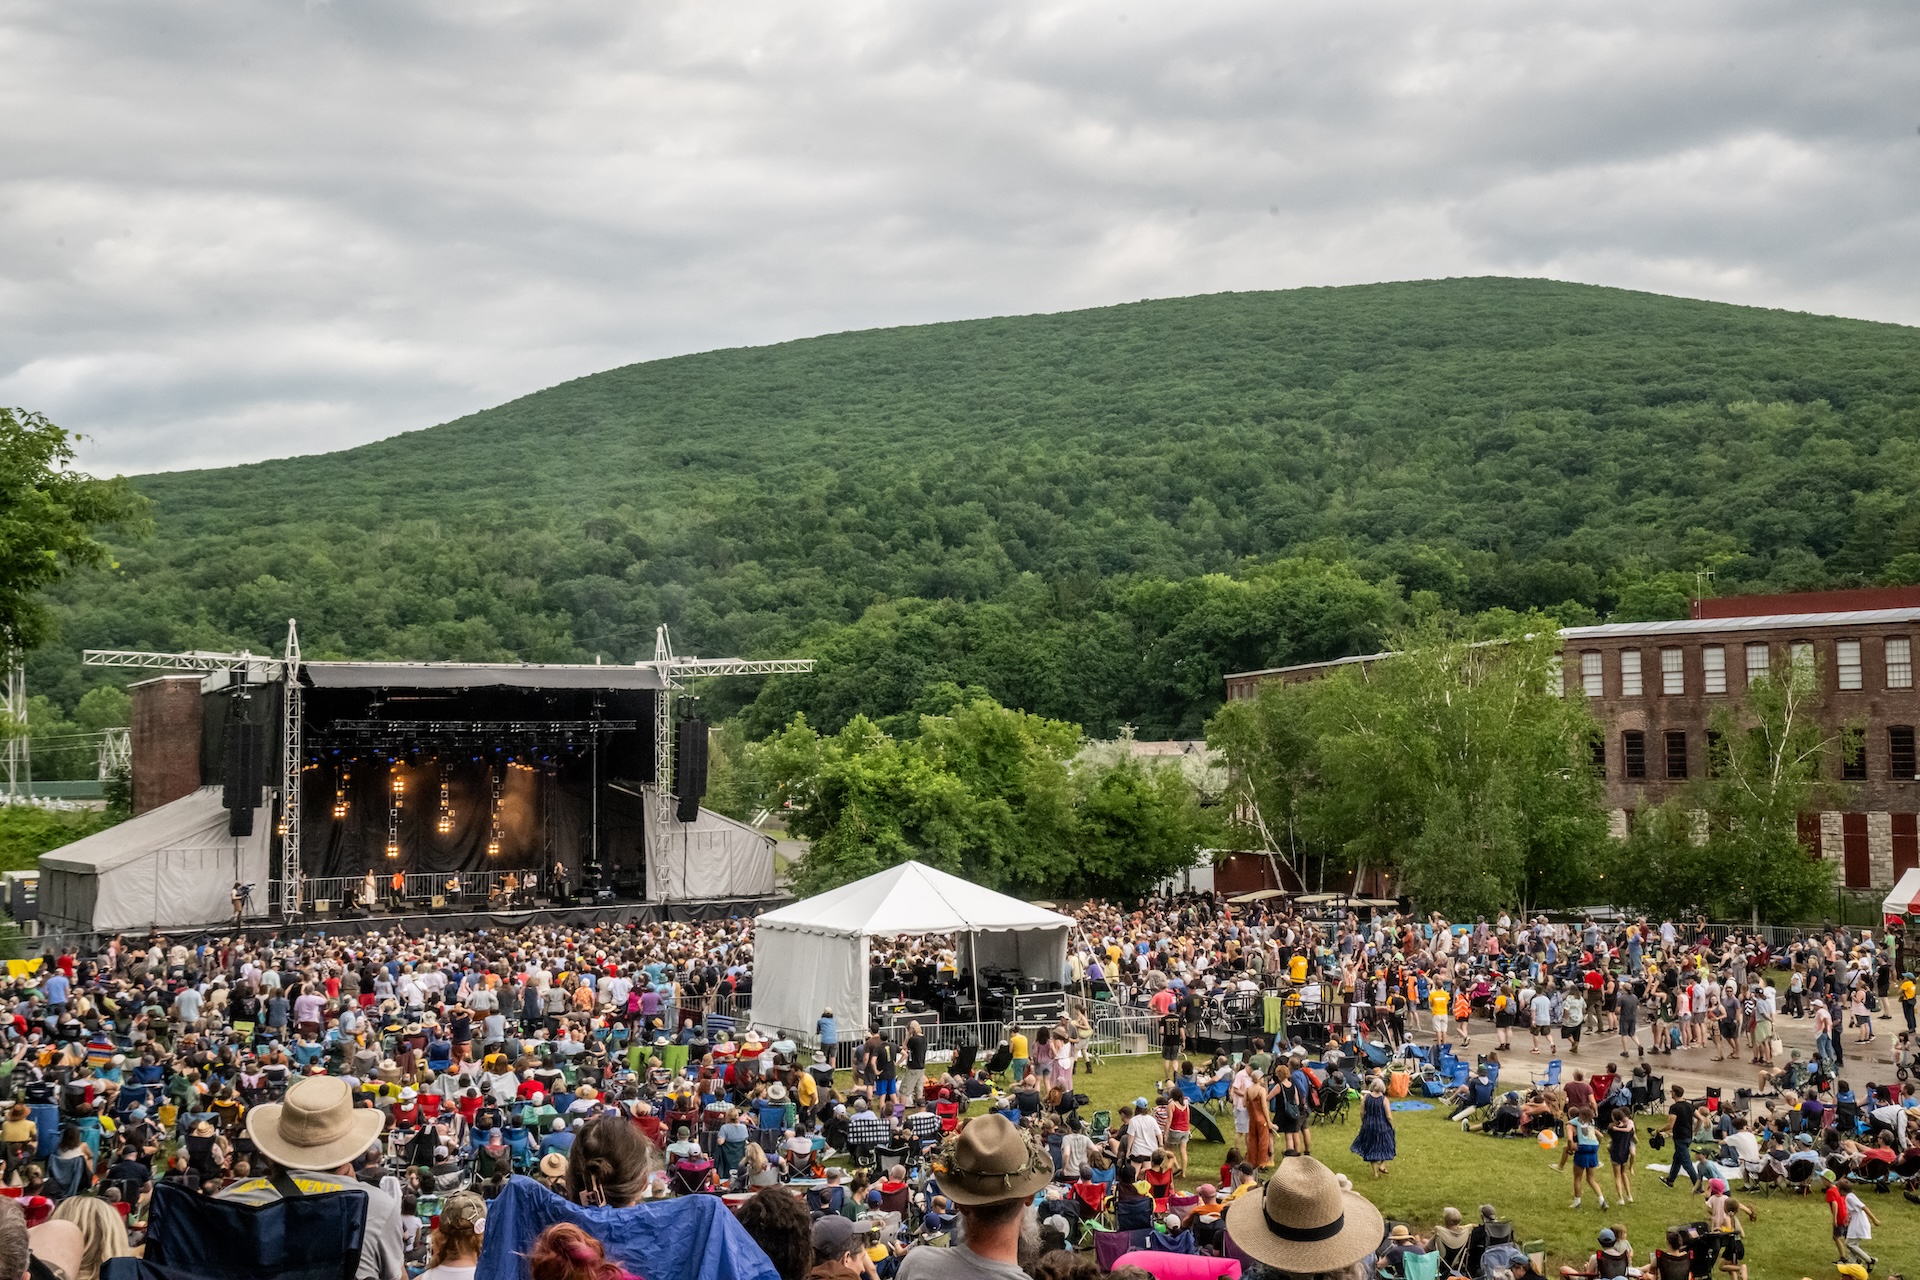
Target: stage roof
point(473, 675)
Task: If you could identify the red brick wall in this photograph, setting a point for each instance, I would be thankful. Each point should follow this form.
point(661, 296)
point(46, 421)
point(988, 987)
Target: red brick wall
point(165, 738)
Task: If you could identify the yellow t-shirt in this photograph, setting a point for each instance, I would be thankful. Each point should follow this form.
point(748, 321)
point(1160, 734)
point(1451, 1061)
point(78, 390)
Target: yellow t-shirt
point(1906, 988)
point(1017, 1043)
point(808, 1092)
point(1440, 1001)
point(1297, 970)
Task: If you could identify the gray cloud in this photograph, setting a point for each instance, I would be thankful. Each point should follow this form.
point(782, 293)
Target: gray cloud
point(238, 230)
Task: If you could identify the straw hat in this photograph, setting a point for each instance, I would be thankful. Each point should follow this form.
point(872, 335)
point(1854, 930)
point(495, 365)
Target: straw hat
point(990, 1160)
point(1308, 1219)
point(553, 1164)
point(776, 1092)
point(315, 1127)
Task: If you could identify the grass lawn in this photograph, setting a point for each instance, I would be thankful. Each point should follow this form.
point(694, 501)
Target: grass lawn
point(1440, 1166)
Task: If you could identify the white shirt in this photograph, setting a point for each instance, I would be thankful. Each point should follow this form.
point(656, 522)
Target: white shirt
point(1143, 1136)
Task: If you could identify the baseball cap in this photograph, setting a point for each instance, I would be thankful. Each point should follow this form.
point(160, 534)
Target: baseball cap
point(832, 1236)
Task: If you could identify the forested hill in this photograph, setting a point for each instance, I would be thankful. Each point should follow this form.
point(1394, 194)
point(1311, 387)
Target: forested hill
point(1027, 503)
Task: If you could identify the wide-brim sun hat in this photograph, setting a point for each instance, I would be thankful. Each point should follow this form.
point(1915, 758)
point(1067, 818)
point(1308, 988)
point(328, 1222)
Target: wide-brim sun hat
point(553, 1164)
point(1308, 1219)
point(315, 1127)
point(991, 1160)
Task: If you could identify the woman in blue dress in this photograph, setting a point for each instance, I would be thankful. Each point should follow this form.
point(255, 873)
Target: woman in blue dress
point(1375, 1142)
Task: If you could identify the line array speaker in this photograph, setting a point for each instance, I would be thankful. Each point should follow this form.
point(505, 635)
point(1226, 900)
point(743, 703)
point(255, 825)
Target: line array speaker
point(690, 767)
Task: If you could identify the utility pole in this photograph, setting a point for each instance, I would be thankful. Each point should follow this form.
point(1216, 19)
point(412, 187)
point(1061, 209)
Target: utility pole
point(19, 761)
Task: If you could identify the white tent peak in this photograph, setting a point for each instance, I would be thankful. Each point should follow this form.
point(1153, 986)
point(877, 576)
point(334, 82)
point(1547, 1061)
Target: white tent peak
point(907, 899)
point(1905, 897)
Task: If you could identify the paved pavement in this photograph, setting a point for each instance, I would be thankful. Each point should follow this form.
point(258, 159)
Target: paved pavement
point(1693, 1067)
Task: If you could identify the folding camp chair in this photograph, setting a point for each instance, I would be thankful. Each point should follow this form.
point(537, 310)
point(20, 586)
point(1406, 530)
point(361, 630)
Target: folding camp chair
point(299, 1237)
point(1109, 1245)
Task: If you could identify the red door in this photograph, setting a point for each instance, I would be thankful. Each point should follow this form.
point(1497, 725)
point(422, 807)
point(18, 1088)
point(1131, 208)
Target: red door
point(1853, 846)
point(1906, 843)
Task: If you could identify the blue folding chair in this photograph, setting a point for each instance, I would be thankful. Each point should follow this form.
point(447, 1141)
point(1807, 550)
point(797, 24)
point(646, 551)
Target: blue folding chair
point(46, 1118)
point(520, 1144)
point(1552, 1077)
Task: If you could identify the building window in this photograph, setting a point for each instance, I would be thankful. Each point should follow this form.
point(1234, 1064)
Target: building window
point(1899, 663)
point(1846, 663)
point(1629, 673)
point(1673, 672)
point(1713, 669)
point(1591, 681)
point(1758, 662)
point(1853, 755)
point(1716, 753)
point(1599, 749)
point(1676, 753)
point(1900, 757)
point(1801, 655)
point(1633, 750)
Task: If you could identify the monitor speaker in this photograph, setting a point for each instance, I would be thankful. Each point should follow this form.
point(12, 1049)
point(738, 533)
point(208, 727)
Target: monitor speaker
point(690, 767)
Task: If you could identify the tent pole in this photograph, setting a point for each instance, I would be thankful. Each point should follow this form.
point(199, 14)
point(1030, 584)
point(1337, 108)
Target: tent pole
point(973, 963)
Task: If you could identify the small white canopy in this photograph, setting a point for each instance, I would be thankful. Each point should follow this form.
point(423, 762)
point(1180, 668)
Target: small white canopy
point(814, 955)
point(1905, 898)
point(170, 868)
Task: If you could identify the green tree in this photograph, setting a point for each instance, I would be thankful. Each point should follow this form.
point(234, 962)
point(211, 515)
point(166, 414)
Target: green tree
point(1454, 762)
point(1729, 844)
point(49, 515)
point(1135, 825)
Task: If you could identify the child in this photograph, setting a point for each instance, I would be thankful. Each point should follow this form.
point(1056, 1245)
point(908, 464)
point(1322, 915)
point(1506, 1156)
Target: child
point(1228, 1165)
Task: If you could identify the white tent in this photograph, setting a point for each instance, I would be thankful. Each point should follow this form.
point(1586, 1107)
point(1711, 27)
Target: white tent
point(713, 856)
point(813, 955)
point(1905, 898)
point(170, 868)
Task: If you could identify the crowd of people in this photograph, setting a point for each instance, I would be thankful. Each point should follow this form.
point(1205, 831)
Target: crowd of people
point(617, 1065)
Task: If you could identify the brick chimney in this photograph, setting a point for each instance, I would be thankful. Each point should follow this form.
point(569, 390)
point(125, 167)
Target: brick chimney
point(165, 736)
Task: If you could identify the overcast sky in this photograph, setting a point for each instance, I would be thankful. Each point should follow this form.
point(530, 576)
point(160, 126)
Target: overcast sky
point(238, 229)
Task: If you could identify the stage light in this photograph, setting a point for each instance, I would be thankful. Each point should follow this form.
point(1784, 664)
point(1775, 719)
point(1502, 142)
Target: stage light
point(445, 823)
point(393, 849)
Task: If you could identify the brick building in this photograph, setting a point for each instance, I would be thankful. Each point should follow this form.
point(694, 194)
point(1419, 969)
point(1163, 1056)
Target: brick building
point(1654, 687)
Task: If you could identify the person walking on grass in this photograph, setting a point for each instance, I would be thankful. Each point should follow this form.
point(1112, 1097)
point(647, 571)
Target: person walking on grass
point(1623, 1141)
point(1583, 1139)
point(1376, 1143)
point(1679, 1131)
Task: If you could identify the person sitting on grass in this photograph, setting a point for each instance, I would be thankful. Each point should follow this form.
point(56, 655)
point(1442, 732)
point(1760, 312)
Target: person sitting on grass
point(1612, 1257)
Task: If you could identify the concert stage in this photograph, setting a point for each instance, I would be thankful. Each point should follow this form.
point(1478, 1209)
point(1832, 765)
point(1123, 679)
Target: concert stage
point(429, 791)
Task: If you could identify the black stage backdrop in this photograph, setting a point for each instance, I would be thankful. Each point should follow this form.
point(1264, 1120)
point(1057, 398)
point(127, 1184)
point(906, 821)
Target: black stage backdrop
point(546, 815)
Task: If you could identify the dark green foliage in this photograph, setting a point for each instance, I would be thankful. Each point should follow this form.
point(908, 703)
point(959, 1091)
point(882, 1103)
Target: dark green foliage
point(1056, 484)
point(991, 794)
point(27, 831)
point(49, 516)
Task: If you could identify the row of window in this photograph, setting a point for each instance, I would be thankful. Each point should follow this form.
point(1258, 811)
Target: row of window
point(1849, 671)
point(1673, 762)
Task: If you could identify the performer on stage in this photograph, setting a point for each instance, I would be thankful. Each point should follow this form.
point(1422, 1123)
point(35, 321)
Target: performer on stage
point(397, 885)
point(453, 889)
point(369, 891)
point(559, 882)
point(509, 889)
